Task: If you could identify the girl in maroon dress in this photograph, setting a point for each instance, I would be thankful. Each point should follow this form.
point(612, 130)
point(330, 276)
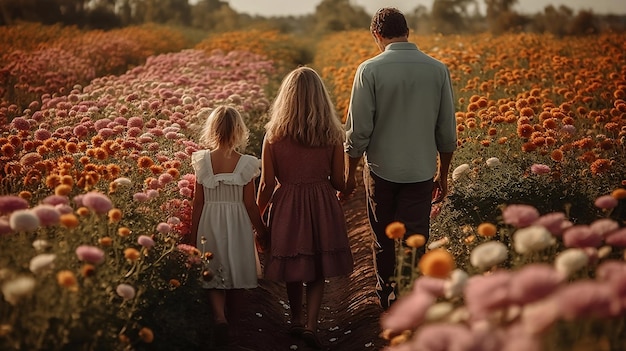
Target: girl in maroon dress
point(301, 172)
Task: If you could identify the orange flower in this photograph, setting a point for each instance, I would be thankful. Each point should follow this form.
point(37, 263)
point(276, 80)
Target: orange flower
point(525, 130)
point(82, 211)
point(26, 195)
point(67, 279)
point(115, 215)
point(487, 229)
point(395, 230)
point(69, 220)
point(146, 335)
point(437, 263)
point(600, 166)
point(123, 231)
point(175, 283)
point(105, 241)
point(556, 155)
point(88, 270)
point(619, 193)
point(131, 254)
point(144, 162)
point(63, 190)
point(416, 241)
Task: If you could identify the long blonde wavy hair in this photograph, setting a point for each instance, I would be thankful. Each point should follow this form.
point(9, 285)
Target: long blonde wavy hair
point(304, 112)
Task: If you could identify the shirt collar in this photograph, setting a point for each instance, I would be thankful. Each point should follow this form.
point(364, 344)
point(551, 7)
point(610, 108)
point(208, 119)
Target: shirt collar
point(401, 45)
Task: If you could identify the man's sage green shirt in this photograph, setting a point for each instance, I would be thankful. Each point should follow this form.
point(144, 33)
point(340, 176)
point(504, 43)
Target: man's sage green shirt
point(401, 114)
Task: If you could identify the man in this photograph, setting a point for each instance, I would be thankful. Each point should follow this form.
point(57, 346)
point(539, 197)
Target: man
point(401, 118)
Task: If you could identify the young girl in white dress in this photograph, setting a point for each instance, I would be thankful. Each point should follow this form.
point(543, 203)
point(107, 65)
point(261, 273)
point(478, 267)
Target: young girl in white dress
point(225, 213)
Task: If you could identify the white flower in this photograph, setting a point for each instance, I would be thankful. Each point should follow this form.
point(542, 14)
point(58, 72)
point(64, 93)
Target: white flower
point(488, 254)
point(42, 262)
point(24, 220)
point(15, 289)
point(460, 171)
point(438, 311)
point(570, 261)
point(123, 181)
point(531, 239)
point(493, 161)
point(41, 244)
point(439, 243)
point(454, 285)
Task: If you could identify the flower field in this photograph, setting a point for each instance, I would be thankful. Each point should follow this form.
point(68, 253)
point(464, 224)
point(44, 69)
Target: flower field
point(96, 131)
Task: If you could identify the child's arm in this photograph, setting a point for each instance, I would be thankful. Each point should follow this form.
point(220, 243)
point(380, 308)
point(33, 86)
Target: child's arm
point(268, 178)
point(337, 175)
point(196, 212)
point(262, 234)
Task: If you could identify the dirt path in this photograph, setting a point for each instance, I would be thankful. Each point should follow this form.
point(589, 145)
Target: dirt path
point(350, 310)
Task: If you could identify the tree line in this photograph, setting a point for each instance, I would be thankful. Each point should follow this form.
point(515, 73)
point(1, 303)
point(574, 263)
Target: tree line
point(445, 16)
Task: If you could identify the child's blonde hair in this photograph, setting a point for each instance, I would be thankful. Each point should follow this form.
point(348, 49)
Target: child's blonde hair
point(304, 112)
point(223, 127)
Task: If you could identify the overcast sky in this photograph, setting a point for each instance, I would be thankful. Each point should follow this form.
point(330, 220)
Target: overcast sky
point(300, 7)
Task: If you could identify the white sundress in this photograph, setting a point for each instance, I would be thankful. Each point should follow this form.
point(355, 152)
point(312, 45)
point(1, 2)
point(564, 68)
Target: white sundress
point(224, 222)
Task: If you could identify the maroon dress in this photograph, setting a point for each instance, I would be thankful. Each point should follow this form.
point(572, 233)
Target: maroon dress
point(307, 225)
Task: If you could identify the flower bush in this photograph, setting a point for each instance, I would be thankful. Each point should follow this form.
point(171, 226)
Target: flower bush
point(95, 205)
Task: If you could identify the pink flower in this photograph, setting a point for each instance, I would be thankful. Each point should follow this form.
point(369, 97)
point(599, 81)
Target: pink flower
point(163, 228)
point(539, 169)
point(5, 227)
point(606, 202)
point(534, 282)
point(135, 122)
point(408, 312)
point(520, 215)
point(48, 214)
point(430, 285)
point(140, 197)
point(126, 291)
point(186, 192)
point(444, 336)
point(165, 179)
point(603, 226)
point(10, 203)
point(145, 241)
point(581, 236)
point(552, 221)
point(487, 293)
point(587, 299)
point(56, 200)
point(616, 238)
point(97, 202)
point(90, 254)
point(152, 193)
point(42, 134)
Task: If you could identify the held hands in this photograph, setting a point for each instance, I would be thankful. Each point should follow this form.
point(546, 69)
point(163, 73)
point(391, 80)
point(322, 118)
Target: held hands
point(349, 189)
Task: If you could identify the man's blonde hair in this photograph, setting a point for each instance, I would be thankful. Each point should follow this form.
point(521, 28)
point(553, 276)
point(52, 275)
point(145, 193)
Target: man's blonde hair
point(304, 112)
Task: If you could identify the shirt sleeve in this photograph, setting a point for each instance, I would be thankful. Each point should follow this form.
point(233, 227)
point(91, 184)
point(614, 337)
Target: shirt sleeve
point(360, 119)
point(445, 133)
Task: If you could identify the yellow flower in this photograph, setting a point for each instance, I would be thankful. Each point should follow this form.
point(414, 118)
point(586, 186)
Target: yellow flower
point(437, 263)
point(395, 230)
point(416, 241)
point(487, 229)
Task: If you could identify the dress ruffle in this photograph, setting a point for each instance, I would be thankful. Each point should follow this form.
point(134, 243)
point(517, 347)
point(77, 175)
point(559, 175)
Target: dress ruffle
point(248, 167)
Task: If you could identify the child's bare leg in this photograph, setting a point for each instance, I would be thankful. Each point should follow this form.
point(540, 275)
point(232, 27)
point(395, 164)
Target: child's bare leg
point(294, 293)
point(217, 297)
point(314, 294)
